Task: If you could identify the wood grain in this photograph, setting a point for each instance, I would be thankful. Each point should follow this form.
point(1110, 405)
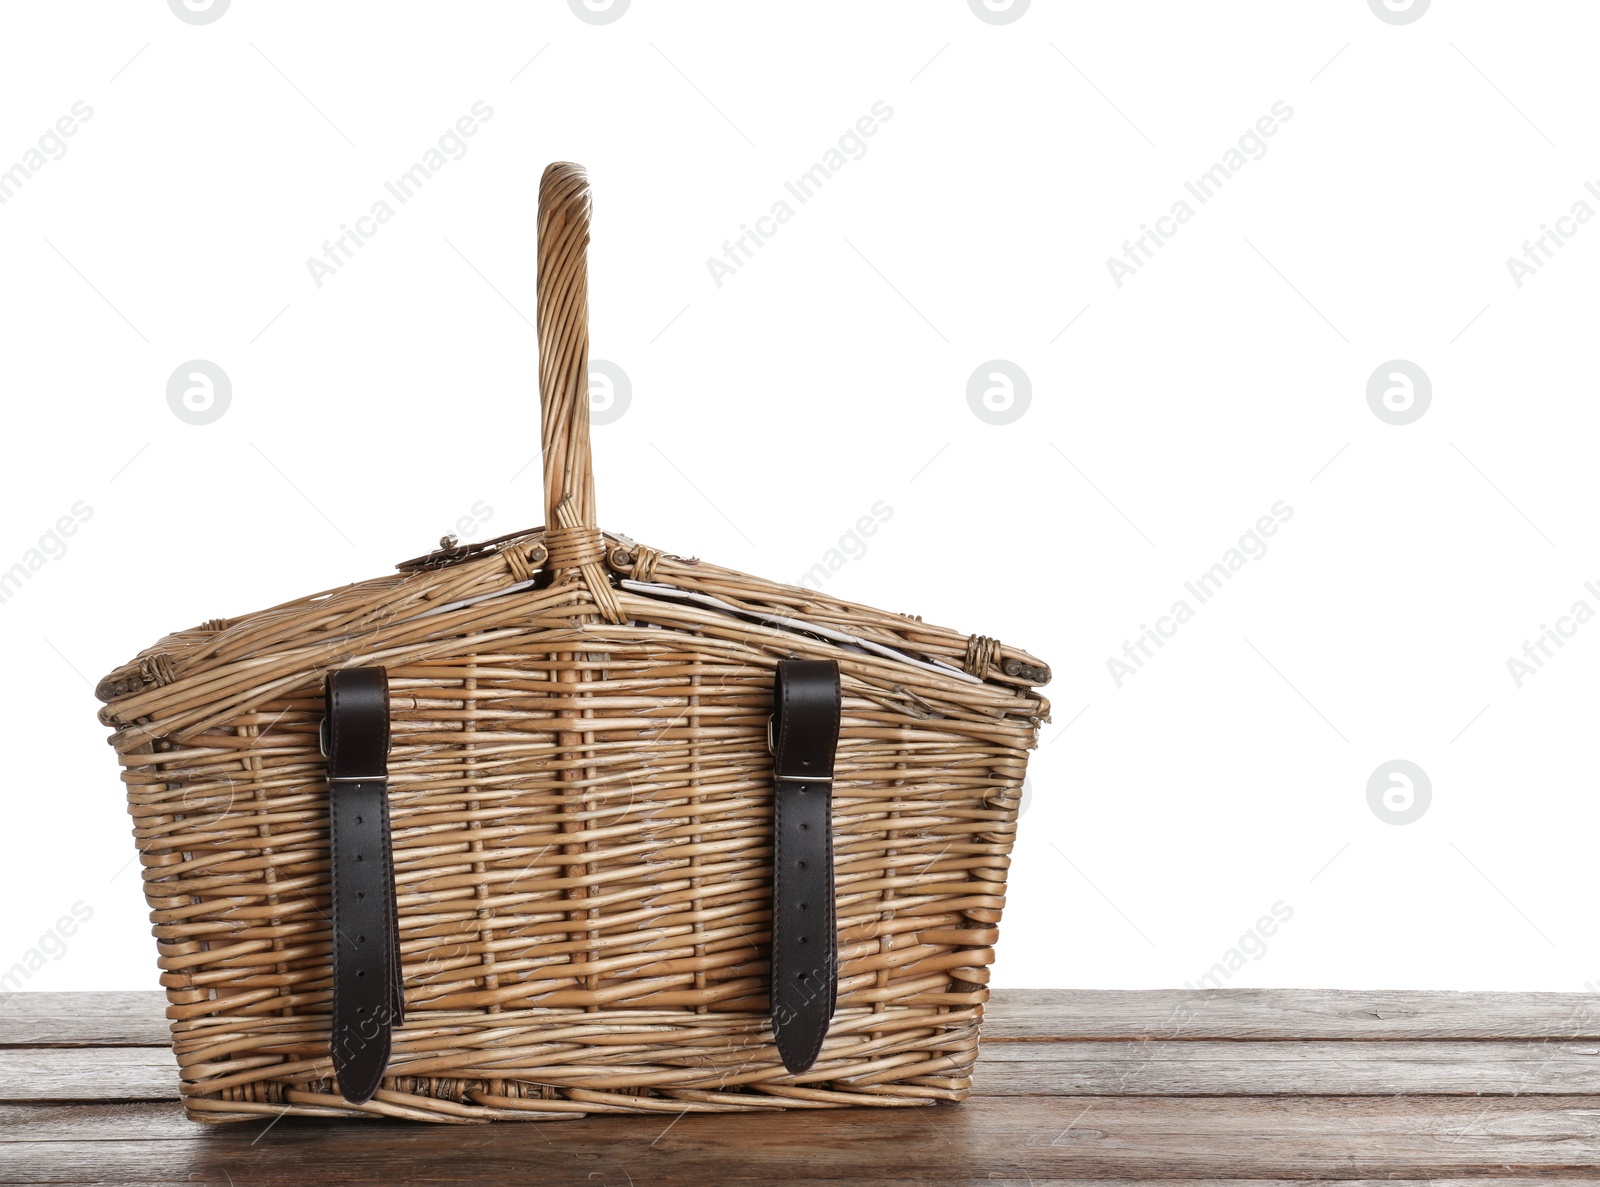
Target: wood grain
point(131, 1018)
point(1249, 1087)
point(1205, 1068)
point(1296, 1068)
point(986, 1140)
point(88, 1074)
point(1177, 1015)
point(137, 1017)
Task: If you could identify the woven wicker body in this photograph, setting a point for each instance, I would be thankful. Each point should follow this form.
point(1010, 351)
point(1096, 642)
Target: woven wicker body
point(581, 799)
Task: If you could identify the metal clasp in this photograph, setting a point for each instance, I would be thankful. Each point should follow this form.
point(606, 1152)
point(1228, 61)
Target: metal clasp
point(451, 551)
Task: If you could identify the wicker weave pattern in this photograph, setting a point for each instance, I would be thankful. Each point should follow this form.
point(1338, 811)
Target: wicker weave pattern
point(581, 799)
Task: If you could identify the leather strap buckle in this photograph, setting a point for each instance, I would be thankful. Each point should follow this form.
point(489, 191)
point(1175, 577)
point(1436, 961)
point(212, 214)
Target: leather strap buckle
point(772, 749)
point(322, 745)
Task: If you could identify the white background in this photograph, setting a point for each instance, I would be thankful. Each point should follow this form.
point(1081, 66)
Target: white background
point(1167, 815)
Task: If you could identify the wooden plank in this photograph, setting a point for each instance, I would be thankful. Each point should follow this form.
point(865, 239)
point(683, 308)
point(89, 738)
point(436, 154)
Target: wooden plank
point(135, 1018)
point(87, 1074)
point(1208, 1068)
point(1036, 1140)
point(1182, 1014)
point(1198, 1068)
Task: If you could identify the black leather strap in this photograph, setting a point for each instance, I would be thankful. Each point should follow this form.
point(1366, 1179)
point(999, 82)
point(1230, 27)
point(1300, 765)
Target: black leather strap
point(367, 993)
point(805, 974)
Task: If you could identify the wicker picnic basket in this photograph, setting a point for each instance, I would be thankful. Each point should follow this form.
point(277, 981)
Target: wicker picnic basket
point(581, 801)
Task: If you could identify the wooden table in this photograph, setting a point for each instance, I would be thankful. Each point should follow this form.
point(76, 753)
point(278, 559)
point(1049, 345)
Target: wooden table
point(1240, 1085)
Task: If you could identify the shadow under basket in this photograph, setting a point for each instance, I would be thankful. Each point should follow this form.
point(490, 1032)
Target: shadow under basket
point(581, 794)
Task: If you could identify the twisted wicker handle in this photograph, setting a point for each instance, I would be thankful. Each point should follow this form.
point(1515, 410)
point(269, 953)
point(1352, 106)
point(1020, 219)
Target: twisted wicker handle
point(564, 346)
